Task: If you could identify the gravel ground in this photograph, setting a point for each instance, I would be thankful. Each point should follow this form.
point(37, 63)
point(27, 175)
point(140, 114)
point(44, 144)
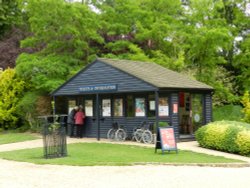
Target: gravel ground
point(26, 175)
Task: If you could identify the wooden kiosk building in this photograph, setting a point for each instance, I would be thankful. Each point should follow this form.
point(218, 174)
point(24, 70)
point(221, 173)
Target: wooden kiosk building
point(130, 92)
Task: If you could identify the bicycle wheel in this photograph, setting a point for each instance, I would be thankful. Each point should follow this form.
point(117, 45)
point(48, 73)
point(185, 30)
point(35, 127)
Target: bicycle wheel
point(138, 135)
point(147, 137)
point(111, 134)
point(120, 135)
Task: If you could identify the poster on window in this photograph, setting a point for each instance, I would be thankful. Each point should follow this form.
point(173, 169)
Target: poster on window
point(89, 107)
point(139, 107)
point(71, 104)
point(106, 107)
point(118, 107)
point(163, 107)
point(151, 105)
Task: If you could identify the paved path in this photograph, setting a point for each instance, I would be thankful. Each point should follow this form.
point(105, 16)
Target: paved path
point(26, 175)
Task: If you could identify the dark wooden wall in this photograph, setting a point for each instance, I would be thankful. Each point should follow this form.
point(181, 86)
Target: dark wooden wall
point(208, 108)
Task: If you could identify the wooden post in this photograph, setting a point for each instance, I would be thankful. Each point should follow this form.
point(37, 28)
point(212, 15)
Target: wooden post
point(98, 116)
point(157, 109)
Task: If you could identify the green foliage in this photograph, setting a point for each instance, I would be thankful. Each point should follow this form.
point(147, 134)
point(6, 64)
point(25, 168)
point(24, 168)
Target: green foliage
point(61, 34)
point(9, 15)
point(243, 141)
point(241, 63)
point(163, 124)
point(12, 89)
point(26, 110)
point(227, 112)
point(61, 28)
point(229, 136)
point(246, 110)
point(45, 73)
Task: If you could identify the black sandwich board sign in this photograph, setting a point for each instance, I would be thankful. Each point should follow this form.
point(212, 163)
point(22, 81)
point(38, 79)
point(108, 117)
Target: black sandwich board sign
point(166, 140)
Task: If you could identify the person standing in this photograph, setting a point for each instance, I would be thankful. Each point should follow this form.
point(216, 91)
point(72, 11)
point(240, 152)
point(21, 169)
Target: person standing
point(79, 121)
point(71, 121)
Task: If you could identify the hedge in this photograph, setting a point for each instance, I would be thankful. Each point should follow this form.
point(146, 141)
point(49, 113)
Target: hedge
point(228, 136)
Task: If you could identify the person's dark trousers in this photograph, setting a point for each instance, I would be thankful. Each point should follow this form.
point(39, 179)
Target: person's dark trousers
point(72, 131)
point(79, 131)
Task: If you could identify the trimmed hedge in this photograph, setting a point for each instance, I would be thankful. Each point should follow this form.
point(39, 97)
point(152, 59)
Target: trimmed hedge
point(228, 136)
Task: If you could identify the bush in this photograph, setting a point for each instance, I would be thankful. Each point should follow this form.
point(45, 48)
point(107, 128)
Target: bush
point(11, 90)
point(246, 109)
point(228, 112)
point(229, 136)
point(243, 141)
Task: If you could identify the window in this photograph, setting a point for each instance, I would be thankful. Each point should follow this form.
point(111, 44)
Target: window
point(151, 106)
point(118, 107)
point(130, 106)
point(106, 107)
point(140, 107)
point(71, 105)
point(163, 106)
point(89, 107)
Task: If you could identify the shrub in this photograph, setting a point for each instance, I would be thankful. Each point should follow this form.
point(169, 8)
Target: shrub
point(11, 90)
point(243, 141)
point(215, 135)
point(246, 109)
point(230, 136)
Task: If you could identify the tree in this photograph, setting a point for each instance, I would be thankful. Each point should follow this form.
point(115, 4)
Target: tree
point(65, 36)
point(241, 62)
point(238, 22)
point(141, 30)
point(10, 47)
point(11, 90)
point(9, 15)
point(62, 28)
point(209, 37)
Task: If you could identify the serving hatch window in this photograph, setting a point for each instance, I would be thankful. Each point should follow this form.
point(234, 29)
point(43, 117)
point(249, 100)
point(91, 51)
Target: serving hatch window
point(118, 107)
point(89, 107)
point(163, 106)
point(106, 107)
point(140, 107)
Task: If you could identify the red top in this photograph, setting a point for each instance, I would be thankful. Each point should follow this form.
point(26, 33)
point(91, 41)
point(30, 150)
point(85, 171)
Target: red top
point(79, 118)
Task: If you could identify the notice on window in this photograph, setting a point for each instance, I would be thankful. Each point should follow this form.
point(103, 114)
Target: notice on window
point(89, 107)
point(152, 105)
point(139, 107)
point(106, 107)
point(163, 107)
point(175, 108)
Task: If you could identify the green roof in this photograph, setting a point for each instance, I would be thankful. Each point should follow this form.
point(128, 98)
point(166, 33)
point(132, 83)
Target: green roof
point(155, 74)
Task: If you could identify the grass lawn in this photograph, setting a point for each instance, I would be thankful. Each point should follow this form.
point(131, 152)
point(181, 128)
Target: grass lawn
point(6, 138)
point(90, 154)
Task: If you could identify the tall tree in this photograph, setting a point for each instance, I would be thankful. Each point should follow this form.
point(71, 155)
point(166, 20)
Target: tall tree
point(9, 15)
point(65, 36)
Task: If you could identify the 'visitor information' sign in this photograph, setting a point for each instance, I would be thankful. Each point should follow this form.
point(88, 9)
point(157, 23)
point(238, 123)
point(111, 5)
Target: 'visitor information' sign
point(98, 88)
point(166, 139)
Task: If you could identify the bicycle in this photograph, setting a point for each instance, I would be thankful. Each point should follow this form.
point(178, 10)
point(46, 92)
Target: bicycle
point(117, 132)
point(143, 133)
